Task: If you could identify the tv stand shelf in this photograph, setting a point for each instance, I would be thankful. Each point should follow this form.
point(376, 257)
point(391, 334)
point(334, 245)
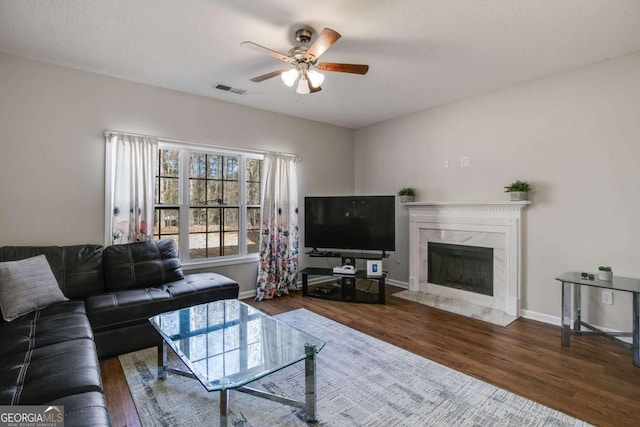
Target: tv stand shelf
point(345, 287)
point(354, 255)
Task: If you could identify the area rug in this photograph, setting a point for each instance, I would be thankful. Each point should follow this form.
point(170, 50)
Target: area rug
point(362, 381)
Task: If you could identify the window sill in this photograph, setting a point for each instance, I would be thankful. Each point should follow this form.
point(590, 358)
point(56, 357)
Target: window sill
point(197, 265)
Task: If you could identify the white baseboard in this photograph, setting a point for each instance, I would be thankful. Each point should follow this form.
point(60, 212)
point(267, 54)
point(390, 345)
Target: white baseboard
point(541, 317)
point(247, 294)
point(397, 283)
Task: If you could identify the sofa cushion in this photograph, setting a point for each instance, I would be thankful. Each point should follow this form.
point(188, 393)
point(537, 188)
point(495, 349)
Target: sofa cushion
point(49, 372)
point(27, 285)
point(48, 354)
point(141, 265)
point(83, 409)
point(78, 269)
point(57, 323)
point(120, 308)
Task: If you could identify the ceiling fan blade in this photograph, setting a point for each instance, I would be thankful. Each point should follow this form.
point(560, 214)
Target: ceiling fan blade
point(269, 75)
point(343, 68)
point(270, 52)
point(325, 40)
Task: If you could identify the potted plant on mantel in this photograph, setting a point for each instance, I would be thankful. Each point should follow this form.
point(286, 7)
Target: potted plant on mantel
point(407, 194)
point(518, 190)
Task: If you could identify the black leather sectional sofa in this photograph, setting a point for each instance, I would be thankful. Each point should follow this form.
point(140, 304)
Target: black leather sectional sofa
point(50, 356)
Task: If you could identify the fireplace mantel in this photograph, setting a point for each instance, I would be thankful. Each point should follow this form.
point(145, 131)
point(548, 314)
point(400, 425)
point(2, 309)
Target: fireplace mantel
point(496, 224)
point(475, 205)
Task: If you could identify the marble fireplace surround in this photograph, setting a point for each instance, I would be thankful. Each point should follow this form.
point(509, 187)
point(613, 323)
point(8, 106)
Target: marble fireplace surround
point(492, 224)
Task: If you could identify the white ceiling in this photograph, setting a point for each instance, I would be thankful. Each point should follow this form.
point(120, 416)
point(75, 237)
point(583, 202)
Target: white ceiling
point(421, 53)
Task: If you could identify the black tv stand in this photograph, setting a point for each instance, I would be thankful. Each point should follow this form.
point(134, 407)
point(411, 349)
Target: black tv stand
point(345, 287)
point(356, 287)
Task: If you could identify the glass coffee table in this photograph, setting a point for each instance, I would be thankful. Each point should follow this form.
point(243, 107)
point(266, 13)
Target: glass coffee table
point(228, 344)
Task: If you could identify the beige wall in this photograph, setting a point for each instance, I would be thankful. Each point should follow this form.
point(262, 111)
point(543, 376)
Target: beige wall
point(52, 148)
point(574, 136)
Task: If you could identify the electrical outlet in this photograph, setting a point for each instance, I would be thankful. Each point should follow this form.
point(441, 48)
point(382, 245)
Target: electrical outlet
point(465, 161)
point(607, 297)
point(446, 163)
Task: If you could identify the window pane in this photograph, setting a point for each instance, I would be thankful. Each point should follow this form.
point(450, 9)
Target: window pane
point(231, 168)
point(253, 241)
point(214, 192)
point(197, 192)
point(168, 191)
point(197, 220)
point(254, 170)
point(166, 221)
point(253, 218)
point(231, 219)
point(169, 162)
point(197, 245)
point(213, 219)
point(230, 240)
point(198, 165)
point(215, 167)
point(213, 241)
point(230, 190)
point(253, 193)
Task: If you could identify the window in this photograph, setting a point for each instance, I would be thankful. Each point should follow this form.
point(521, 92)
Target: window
point(208, 201)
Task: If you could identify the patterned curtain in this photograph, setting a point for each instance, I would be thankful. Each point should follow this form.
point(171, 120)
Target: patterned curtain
point(278, 268)
point(132, 163)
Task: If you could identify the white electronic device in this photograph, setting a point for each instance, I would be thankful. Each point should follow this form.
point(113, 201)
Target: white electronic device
point(345, 269)
point(374, 268)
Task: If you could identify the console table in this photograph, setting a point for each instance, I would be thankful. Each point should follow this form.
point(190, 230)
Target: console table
point(573, 312)
point(346, 290)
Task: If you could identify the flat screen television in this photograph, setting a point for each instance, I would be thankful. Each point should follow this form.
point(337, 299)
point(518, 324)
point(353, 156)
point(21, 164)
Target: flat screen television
point(350, 222)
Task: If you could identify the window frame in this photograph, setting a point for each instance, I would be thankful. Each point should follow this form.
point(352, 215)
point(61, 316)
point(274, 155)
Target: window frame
point(183, 206)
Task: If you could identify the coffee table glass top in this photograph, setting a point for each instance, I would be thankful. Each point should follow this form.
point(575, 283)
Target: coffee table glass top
point(227, 344)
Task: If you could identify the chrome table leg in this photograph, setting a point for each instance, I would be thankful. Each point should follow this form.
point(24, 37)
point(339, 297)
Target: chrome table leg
point(577, 311)
point(310, 382)
point(566, 314)
point(636, 329)
point(162, 360)
point(224, 407)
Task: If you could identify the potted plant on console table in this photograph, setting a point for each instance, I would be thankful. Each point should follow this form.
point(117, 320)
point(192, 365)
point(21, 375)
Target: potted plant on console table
point(518, 190)
point(407, 194)
point(605, 273)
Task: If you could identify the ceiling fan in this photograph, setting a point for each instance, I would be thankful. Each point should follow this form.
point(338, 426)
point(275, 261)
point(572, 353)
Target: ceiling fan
point(304, 61)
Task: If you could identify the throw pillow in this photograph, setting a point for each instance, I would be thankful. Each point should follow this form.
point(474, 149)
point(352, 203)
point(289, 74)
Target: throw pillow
point(27, 285)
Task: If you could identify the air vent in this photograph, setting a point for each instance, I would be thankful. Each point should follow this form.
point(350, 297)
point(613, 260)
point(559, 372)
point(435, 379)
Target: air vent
point(226, 88)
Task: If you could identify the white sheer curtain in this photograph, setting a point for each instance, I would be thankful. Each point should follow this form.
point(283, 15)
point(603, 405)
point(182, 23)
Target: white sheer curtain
point(278, 268)
point(130, 188)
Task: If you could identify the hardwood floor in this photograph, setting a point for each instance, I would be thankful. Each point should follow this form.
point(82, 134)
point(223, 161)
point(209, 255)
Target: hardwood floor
point(593, 380)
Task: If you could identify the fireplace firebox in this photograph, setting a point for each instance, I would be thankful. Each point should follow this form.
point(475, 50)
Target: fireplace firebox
point(469, 268)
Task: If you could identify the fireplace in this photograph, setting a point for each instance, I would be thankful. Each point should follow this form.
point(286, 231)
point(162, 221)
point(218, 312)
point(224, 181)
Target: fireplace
point(469, 268)
point(487, 234)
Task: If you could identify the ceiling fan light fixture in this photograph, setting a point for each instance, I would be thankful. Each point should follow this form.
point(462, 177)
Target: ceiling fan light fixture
point(315, 78)
point(289, 77)
point(303, 86)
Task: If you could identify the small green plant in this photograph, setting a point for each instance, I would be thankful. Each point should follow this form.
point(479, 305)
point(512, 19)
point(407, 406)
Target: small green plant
point(407, 191)
point(521, 186)
point(603, 268)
